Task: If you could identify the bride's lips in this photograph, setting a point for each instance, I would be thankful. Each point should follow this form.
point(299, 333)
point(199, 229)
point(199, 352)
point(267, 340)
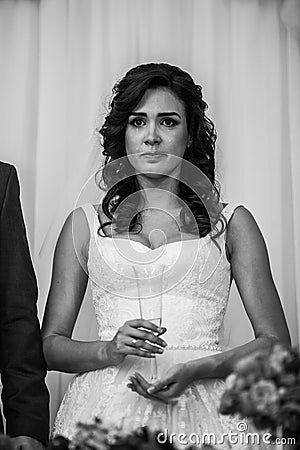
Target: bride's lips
point(153, 155)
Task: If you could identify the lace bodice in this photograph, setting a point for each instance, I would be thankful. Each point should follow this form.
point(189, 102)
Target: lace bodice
point(195, 286)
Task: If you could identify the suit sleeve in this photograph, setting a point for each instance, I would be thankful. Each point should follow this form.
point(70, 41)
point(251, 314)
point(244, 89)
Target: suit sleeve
point(25, 396)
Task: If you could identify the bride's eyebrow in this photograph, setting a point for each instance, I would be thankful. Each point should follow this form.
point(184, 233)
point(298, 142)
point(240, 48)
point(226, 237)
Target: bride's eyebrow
point(161, 114)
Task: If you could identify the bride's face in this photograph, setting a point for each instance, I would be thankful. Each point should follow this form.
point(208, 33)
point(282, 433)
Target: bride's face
point(156, 131)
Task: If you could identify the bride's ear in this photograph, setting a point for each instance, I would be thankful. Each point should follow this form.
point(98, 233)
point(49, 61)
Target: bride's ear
point(190, 140)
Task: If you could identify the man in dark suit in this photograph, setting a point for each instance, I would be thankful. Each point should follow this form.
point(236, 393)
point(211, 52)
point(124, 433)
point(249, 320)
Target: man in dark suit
point(25, 396)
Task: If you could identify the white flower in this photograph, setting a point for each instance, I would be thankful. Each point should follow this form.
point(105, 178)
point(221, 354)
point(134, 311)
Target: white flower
point(231, 380)
point(265, 396)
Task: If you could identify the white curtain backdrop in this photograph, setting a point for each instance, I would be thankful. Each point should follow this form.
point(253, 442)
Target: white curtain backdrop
point(59, 60)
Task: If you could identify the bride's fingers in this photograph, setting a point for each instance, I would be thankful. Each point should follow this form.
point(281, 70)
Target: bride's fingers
point(164, 390)
point(140, 385)
point(160, 385)
point(146, 385)
point(141, 381)
point(135, 386)
point(141, 345)
point(131, 346)
point(143, 323)
point(137, 376)
point(147, 336)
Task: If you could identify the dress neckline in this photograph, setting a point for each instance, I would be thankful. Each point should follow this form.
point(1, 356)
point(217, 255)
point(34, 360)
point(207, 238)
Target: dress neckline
point(156, 248)
point(208, 235)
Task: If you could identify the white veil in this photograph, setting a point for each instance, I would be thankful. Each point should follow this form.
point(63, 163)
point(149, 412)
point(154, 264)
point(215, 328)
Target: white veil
point(80, 188)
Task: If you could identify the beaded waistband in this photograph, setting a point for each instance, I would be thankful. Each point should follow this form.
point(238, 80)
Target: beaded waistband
point(194, 347)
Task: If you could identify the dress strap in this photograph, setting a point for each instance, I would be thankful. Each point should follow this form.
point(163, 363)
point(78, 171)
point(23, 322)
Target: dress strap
point(229, 209)
point(91, 216)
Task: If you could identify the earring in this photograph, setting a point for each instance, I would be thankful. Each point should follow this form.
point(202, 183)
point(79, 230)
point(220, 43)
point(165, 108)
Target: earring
point(190, 140)
point(120, 167)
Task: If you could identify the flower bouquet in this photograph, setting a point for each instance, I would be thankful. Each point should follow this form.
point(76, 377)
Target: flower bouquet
point(95, 436)
point(265, 387)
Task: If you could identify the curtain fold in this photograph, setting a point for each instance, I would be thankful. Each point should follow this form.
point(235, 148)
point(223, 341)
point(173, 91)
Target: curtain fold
point(59, 60)
point(19, 50)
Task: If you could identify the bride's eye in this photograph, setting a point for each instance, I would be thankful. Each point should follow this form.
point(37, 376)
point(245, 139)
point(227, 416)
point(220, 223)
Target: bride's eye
point(168, 122)
point(137, 122)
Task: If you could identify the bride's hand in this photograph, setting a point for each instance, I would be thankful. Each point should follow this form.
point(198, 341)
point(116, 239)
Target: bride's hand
point(136, 337)
point(170, 386)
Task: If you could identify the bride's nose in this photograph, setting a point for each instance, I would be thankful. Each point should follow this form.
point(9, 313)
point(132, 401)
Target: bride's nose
point(152, 136)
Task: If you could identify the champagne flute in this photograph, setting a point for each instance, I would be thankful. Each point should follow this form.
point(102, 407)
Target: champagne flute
point(149, 279)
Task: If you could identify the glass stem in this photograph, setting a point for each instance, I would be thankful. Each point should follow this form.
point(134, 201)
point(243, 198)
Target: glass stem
point(154, 374)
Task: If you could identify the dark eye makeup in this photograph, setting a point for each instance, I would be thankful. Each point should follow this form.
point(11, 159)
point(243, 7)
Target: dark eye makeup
point(165, 121)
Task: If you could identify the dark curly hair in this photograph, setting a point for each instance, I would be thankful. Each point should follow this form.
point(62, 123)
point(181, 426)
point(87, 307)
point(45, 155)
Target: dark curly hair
point(118, 178)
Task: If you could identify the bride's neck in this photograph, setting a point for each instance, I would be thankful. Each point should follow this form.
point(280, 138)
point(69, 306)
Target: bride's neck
point(159, 193)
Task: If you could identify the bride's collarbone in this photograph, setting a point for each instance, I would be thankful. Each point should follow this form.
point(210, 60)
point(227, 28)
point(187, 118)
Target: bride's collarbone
point(152, 234)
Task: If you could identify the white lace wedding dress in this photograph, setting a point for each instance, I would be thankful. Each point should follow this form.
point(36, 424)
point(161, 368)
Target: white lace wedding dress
point(196, 287)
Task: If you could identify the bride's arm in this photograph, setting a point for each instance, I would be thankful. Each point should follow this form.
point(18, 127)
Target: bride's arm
point(68, 285)
point(251, 271)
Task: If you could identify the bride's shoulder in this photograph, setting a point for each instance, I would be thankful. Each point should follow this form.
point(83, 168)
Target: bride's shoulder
point(77, 226)
point(74, 235)
point(229, 209)
point(242, 229)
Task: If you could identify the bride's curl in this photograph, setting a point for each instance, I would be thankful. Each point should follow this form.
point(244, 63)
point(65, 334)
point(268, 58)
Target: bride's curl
point(117, 177)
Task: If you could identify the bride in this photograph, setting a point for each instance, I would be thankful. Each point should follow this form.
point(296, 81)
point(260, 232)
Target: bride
point(161, 209)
